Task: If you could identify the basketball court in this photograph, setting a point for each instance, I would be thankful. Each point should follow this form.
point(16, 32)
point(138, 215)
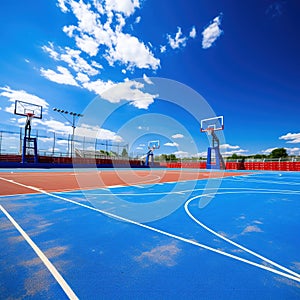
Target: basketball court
point(105, 234)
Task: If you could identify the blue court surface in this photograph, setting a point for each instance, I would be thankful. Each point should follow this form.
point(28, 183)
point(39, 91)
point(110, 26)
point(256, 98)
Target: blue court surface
point(124, 242)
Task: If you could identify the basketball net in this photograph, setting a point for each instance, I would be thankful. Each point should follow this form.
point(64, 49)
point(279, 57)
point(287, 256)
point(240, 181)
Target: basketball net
point(29, 116)
point(210, 131)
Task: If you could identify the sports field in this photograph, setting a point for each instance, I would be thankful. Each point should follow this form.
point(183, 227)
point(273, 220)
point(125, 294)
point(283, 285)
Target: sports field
point(149, 234)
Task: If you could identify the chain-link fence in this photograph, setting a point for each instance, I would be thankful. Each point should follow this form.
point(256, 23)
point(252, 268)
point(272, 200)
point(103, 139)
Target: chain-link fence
point(51, 143)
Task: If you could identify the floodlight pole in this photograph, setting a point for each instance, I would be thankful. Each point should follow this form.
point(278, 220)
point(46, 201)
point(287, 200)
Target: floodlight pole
point(72, 122)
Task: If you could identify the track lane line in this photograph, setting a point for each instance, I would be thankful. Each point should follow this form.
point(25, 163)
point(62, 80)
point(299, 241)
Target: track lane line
point(60, 280)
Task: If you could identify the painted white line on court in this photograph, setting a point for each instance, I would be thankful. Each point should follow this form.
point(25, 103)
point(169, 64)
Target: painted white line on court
point(232, 242)
point(60, 280)
point(192, 242)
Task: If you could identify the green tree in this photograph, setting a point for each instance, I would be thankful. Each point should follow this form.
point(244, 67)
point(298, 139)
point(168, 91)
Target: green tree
point(124, 153)
point(279, 153)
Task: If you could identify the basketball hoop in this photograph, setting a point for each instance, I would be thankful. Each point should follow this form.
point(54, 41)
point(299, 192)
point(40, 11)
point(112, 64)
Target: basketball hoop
point(29, 115)
point(210, 131)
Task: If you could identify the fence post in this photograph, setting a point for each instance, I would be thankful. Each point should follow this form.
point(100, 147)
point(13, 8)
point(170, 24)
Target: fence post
point(0, 141)
point(20, 148)
point(53, 147)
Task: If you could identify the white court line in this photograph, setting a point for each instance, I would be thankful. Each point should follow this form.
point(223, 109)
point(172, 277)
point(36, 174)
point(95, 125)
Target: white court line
point(230, 241)
point(292, 192)
point(296, 278)
point(69, 292)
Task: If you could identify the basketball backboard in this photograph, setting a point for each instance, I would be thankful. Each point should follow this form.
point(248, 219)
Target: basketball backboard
point(24, 108)
point(216, 123)
point(153, 145)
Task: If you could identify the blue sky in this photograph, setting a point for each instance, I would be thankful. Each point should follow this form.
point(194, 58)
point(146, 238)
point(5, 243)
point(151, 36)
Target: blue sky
point(241, 56)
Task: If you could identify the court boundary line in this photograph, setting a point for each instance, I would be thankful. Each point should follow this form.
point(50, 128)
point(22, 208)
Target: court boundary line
point(177, 237)
point(51, 268)
point(232, 242)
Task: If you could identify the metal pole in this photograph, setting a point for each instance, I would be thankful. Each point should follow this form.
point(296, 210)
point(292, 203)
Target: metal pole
point(53, 144)
point(0, 141)
point(20, 148)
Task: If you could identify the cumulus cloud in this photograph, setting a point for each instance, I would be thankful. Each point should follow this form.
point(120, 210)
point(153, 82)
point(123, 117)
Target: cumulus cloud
point(178, 41)
point(171, 144)
point(293, 151)
point(147, 79)
point(56, 126)
point(97, 132)
point(292, 138)
point(268, 151)
point(178, 136)
point(193, 33)
point(227, 146)
point(211, 33)
point(290, 151)
point(62, 5)
point(73, 59)
point(163, 49)
point(181, 154)
point(98, 86)
point(131, 91)
point(228, 150)
point(127, 7)
point(100, 27)
point(21, 95)
point(63, 76)
point(129, 51)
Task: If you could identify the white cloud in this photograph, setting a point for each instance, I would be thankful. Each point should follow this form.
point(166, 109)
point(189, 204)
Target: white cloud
point(290, 151)
point(21, 95)
point(292, 138)
point(137, 20)
point(163, 49)
point(211, 33)
point(181, 154)
point(97, 132)
point(87, 44)
point(268, 151)
point(62, 5)
point(139, 148)
point(178, 136)
point(63, 76)
point(193, 33)
point(129, 51)
point(228, 150)
point(98, 86)
point(293, 151)
point(104, 28)
point(51, 125)
point(127, 7)
point(96, 65)
point(171, 144)
point(227, 146)
point(201, 154)
point(73, 59)
point(178, 41)
point(147, 79)
point(82, 77)
point(130, 91)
